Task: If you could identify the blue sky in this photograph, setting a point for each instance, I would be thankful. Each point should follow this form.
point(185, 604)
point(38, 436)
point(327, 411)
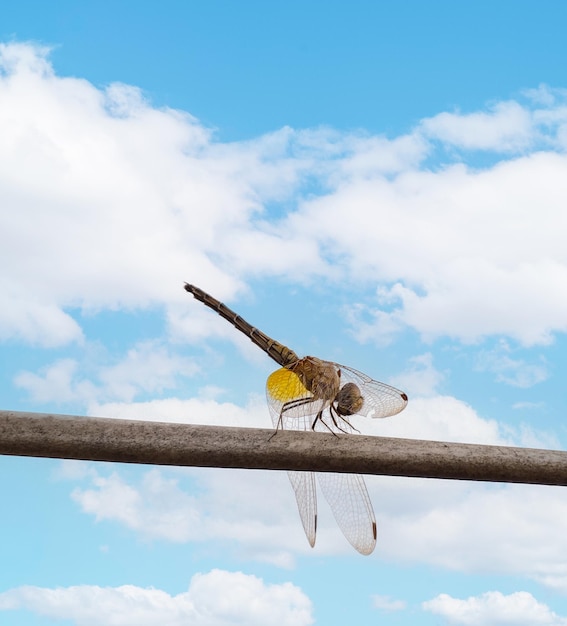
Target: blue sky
point(379, 184)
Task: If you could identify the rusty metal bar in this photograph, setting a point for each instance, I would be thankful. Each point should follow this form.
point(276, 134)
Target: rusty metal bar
point(158, 443)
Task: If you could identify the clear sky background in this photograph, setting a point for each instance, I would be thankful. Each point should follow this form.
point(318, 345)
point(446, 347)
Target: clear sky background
point(381, 184)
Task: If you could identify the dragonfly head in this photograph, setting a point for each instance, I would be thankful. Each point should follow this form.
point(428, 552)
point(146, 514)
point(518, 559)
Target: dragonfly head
point(349, 399)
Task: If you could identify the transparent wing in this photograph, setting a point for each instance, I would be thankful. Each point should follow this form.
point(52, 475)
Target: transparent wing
point(283, 388)
point(380, 400)
point(303, 484)
point(291, 404)
point(349, 500)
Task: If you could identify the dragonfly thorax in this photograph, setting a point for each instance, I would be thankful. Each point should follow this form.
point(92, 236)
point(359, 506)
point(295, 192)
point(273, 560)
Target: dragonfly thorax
point(321, 378)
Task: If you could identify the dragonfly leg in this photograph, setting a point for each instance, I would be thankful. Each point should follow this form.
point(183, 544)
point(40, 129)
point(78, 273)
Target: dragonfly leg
point(292, 404)
point(336, 417)
point(280, 423)
point(319, 418)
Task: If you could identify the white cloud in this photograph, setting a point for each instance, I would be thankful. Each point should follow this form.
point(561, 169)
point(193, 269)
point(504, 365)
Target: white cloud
point(385, 603)
point(102, 171)
point(421, 378)
point(148, 367)
point(513, 371)
point(248, 512)
point(54, 383)
point(252, 511)
point(452, 247)
point(218, 598)
point(462, 253)
point(440, 418)
point(494, 609)
point(508, 126)
point(528, 405)
point(515, 530)
point(32, 319)
point(465, 527)
point(202, 410)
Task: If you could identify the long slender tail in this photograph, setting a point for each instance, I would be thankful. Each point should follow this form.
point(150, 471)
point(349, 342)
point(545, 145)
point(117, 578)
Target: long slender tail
point(282, 355)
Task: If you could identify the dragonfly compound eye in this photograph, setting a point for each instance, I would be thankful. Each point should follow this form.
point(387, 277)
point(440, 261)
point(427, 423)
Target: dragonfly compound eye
point(349, 400)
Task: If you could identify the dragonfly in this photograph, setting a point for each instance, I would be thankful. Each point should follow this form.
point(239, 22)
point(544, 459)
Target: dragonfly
point(313, 394)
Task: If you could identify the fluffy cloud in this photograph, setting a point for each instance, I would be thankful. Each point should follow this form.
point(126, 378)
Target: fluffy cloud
point(507, 127)
point(516, 530)
point(494, 609)
point(219, 597)
point(127, 201)
point(513, 371)
point(247, 512)
point(202, 410)
point(253, 511)
point(475, 528)
point(455, 251)
point(146, 367)
point(103, 195)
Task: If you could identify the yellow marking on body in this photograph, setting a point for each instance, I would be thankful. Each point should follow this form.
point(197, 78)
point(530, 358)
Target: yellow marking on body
point(284, 386)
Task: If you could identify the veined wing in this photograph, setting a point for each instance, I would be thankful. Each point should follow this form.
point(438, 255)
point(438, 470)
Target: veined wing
point(350, 503)
point(282, 388)
point(380, 399)
point(346, 493)
point(291, 404)
point(303, 484)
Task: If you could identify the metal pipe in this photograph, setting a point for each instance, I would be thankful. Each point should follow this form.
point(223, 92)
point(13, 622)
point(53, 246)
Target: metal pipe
point(158, 443)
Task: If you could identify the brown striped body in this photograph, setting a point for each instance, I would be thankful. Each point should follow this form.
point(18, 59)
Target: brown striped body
point(280, 353)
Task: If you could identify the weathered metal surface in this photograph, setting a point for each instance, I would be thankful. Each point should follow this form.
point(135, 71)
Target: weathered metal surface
point(158, 443)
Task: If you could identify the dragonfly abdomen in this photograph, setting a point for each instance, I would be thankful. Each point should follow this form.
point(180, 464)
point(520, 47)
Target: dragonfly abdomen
point(277, 351)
